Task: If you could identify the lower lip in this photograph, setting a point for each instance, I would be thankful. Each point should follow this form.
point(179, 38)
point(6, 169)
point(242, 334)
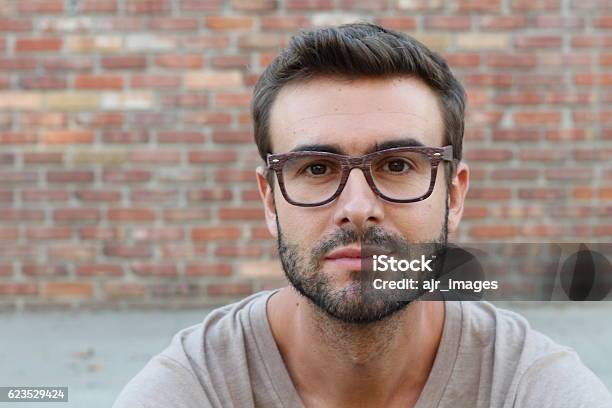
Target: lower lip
point(347, 263)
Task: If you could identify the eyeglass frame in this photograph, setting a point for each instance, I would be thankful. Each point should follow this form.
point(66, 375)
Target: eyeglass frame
point(276, 161)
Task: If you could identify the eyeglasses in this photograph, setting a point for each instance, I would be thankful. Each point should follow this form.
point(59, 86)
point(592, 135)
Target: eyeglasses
point(398, 175)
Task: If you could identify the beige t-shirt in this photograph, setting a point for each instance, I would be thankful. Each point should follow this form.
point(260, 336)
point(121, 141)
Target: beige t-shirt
point(488, 357)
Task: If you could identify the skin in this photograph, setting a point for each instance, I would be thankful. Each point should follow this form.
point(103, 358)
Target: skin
point(332, 363)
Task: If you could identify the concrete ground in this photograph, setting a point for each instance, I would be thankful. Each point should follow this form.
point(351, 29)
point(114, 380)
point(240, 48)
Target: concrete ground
point(96, 353)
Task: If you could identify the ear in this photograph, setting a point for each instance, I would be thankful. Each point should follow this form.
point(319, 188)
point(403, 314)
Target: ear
point(456, 196)
point(267, 197)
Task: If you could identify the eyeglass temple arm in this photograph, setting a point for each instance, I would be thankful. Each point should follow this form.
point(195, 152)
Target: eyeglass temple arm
point(447, 153)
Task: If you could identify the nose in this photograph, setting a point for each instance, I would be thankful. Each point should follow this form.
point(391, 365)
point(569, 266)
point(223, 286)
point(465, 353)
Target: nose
point(358, 204)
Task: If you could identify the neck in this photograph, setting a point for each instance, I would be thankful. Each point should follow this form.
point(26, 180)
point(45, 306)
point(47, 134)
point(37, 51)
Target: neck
point(342, 363)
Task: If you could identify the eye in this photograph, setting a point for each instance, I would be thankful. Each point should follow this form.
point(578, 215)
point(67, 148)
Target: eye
point(317, 169)
point(397, 166)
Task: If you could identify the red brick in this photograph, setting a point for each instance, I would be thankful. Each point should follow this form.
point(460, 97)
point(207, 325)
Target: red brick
point(155, 196)
point(17, 63)
point(148, 6)
point(234, 176)
point(229, 100)
point(511, 60)
point(448, 22)
point(68, 136)
point(9, 233)
point(145, 269)
point(44, 270)
point(155, 156)
point(483, 193)
point(187, 214)
point(48, 233)
point(503, 22)
point(537, 118)
point(239, 251)
point(538, 41)
point(493, 231)
point(525, 5)
point(489, 79)
point(124, 290)
point(397, 23)
point(215, 233)
point(229, 289)
point(10, 138)
point(154, 81)
point(71, 252)
point(518, 98)
point(213, 156)
point(186, 100)
point(42, 82)
point(229, 22)
point(126, 176)
point(69, 289)
point(100, 233)
point(280, 23)
point(208, 269)
point(70, 176)
point(542, 194)
point(490, 6)
point(99, 195)
point(180, 137)
point(209, 194)
point(18, 289)
point(201, 5)
point(516, 135)
point(125, 136)
point(495, 155)
point(232, 136)
point(101, 120)
point(131, 214)
point(253, 5)
point(569, 174)
point(98, 6)
point(208, 118)
point(158, 233)
point(124, 62)
point(240, 213)
point(40, 6)
point(76, 214)
point(559, 22)
point(44, 195)
point(99, 270)
point(98, 82)
point(180, 61)
point(15, 24)
point(174, 24)
point(38, 44)
point(604, 22)
point(127, 250)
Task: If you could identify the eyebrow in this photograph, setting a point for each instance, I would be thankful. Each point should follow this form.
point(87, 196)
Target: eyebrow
point(334, 148)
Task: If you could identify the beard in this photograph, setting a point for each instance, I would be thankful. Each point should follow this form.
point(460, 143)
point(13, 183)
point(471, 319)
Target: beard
point(358, 302)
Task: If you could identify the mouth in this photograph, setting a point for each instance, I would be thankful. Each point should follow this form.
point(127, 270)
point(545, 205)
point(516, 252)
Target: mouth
point(352, 258)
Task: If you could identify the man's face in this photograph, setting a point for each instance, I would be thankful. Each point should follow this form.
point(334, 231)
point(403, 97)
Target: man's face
point(353, 118)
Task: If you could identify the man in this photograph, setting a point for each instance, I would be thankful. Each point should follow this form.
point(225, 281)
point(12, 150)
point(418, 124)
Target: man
point(361, 129)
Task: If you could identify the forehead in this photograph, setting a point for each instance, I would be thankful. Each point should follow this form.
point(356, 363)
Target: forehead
point(355, 115)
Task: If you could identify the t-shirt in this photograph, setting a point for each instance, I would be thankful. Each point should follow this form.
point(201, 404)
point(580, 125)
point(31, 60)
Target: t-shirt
point(487, 357)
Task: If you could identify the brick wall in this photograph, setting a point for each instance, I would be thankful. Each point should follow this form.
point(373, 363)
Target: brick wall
point(126, 153)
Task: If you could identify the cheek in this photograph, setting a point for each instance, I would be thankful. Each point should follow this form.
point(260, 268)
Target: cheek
point(421, 221)
point(301, 226)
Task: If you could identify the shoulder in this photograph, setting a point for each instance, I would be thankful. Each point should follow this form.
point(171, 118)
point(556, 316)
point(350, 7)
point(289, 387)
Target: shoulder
point(191, 369)
point(560, 379)
point(163, 382)
point(535, 370)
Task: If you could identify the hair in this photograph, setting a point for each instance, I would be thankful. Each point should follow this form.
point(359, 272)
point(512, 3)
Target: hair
point(358, 51)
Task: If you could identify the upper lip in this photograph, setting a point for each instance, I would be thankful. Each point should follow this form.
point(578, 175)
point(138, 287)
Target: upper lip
point(351, 252)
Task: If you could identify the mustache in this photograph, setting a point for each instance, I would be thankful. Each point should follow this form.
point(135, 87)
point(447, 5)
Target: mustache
point(372, 239)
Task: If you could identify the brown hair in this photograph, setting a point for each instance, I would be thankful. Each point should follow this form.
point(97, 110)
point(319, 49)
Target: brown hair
point(353, 51)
